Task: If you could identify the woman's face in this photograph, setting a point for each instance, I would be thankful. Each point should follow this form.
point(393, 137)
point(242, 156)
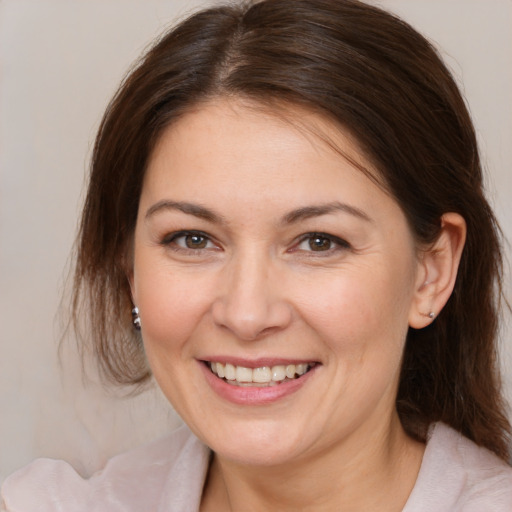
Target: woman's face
point(262, 252)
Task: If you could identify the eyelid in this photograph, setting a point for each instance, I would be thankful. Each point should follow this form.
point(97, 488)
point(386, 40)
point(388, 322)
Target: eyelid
point(169, 238)
point(340, 242)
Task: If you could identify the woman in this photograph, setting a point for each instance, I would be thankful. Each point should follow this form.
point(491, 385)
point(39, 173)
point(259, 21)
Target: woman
point(285, 225)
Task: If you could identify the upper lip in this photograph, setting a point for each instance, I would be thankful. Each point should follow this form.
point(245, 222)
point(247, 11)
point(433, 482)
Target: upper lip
point(257, 363)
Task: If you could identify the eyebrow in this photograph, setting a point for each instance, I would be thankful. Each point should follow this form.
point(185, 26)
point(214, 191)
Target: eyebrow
point(189, 208)
point(308, 212)
point(300, 214)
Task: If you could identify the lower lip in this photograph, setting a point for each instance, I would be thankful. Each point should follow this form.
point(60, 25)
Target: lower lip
point(247, 395)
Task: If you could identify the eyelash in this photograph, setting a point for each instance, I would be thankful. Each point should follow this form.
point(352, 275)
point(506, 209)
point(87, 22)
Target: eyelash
point(339, 242)
point(170, 241)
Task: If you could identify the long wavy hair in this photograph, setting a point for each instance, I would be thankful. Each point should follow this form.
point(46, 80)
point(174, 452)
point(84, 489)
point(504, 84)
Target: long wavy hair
point(374, 76)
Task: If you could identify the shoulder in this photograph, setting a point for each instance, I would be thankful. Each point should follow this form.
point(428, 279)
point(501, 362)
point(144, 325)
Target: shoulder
point(458, 475)
point(171, 468)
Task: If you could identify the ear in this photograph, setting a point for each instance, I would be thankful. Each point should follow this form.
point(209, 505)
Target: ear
point(438, 266)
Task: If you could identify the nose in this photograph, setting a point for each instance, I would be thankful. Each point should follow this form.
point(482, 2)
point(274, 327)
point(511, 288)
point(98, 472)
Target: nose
point(250, 302)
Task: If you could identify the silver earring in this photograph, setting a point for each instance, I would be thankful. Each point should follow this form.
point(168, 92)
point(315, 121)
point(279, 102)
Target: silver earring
point(431, 315)
point(136, 318)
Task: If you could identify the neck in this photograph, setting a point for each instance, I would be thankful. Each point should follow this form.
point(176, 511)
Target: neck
point(386, 461)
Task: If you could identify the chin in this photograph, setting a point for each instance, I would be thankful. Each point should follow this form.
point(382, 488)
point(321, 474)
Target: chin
point(257, 444)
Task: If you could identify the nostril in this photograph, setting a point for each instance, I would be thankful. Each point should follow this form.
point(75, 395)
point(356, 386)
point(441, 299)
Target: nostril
point(248, 302)
point(251, 323)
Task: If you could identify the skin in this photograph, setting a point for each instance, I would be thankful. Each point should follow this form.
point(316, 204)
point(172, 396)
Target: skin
point(255, 285)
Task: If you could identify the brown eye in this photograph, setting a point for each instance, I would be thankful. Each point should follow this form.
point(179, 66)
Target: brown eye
point(196, 241)
point(319, 243)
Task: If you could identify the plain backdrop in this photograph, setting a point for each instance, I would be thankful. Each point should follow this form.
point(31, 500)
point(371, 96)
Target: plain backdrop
point(60, 62)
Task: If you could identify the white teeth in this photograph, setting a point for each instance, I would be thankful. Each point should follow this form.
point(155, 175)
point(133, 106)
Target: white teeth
point(243, 374)
point(290, 371)
point(220, 370)
point(301, 369)
point(278, 373)
point(229, 372)
point(262, 375)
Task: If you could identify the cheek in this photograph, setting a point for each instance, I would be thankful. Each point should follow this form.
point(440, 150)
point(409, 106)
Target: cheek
point(171, 305)
point(358, 310)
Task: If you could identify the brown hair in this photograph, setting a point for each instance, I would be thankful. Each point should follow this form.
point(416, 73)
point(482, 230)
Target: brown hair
point(385, 83)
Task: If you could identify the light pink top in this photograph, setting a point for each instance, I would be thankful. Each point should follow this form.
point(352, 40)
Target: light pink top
point(168, 476)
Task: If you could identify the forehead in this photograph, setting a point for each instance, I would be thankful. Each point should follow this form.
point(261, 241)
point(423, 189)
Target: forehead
point(231, 151)
point(239, 126)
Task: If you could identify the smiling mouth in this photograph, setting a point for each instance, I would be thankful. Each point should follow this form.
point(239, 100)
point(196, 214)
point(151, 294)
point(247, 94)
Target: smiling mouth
point(259, 377)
